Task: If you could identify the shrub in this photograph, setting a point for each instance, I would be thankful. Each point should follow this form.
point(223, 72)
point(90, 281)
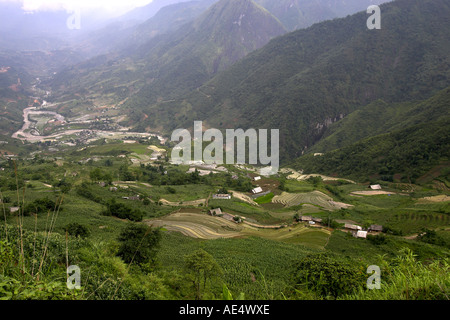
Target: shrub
point(77, 230)
point(138, 244)
point(328, 276)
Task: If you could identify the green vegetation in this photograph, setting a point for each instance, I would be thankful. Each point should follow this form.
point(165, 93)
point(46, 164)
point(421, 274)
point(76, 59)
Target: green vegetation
point(174, 250)
point(142, 228)
point(407, 154)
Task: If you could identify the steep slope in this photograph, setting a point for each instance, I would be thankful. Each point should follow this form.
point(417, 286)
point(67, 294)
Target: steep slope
point(225, 33)
point(304, 81)
point(403, 155)
point(141, 14)
point(380, 117)
point(127, 35)
point(299, 14)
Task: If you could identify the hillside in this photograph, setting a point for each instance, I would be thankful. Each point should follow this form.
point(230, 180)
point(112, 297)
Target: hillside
point(299, 14)
point(127, 34)
point(308, 79)
point(173, 64)
point(402, 155)
point(380, 117)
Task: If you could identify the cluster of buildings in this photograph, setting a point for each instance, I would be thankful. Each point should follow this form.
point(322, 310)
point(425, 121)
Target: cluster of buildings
point(358, 231)
point(355, 230)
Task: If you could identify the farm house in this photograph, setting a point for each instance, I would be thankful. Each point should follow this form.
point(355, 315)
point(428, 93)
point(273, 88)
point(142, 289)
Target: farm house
point(215, 212)
point(257, 190)
point(352, 227)
point(221, 196)
point(360, 234)
point(317, 220)
point(375, 187)
point(376, 228)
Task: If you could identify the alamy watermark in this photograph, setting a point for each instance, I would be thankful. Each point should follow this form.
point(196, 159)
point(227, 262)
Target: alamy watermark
point(257, 142)
point(73, 277)
point(374, 281)
point(73, 22)
point(374, 21)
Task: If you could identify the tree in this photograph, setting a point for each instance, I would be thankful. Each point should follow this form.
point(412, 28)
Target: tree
point(430, 236)
point(328, 276)
point(77, 230)
point(139, 244)
point(63, 185)
point(201, 268)
point(96, 174)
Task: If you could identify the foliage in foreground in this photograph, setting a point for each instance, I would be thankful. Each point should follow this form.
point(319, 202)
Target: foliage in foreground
point(405, 278)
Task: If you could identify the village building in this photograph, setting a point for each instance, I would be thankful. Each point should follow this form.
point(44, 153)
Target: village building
point(352, 227)
point(376, 228)
point(215, 212)
point(360, 234)
point(375, 187)
point(257, 190)
point(134, 198)
point(221, 196)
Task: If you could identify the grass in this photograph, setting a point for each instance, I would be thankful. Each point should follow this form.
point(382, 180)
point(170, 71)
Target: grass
point(265, 199)
point(256, 261)
point(258, 267)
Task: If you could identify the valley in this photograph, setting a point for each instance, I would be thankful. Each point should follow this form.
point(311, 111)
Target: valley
point(89, 175)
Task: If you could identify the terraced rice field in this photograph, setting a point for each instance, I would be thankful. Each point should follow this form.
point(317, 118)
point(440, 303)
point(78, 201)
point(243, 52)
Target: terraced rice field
point(371, 192)
point(194, 203)
point(439, 198)
point(300, 234)
point(197, 225)
point(315, 198)
point(202, 226)
point(295, 175)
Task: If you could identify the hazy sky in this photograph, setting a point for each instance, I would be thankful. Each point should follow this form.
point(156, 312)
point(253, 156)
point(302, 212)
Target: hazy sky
point(51, 5)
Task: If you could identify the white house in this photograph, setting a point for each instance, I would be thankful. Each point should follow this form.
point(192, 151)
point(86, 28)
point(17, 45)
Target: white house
point(257, 178)
point(361, 234)
point(222, 196)
point(375, 187)
point(257, 190)
point(215, 212)
point(352, 226)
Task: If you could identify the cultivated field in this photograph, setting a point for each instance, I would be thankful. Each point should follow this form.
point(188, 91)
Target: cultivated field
point(316, 198)
point(197, 225)
point(295, 175)
point(372, 192)
point(439, 198)
point(184, 203)
point(202, 226)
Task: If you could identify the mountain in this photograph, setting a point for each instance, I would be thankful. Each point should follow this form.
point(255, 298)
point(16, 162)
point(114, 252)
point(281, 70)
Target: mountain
point(45, 30)
point(13, 97)
point(415, 148)
point(225, 33)
point(403, 155)
point(306, 80)
point(141, 14)
point(125, 35)
point(173, 64)
point(380, 117)
point(299, 14)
